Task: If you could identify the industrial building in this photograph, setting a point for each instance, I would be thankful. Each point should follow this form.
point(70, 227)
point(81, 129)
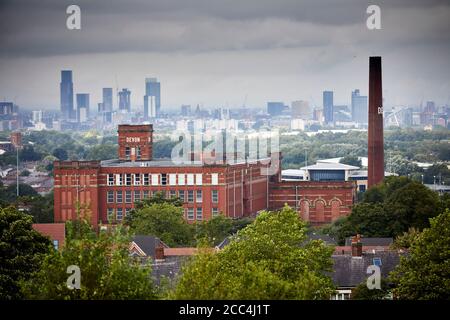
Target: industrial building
point(108, 189)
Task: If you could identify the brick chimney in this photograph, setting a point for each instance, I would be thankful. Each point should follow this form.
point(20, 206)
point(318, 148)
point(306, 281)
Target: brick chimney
point(357, 246)
point(159, 253)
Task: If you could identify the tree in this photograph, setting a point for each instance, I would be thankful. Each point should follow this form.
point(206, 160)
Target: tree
point(21, 250)
point(389, 209)
point(268, 259)
point(158, 198)
point(9, 194)
point(107, 270)
point(60, 153)
point(215, 230)
point(29, 154)
point(25, 173)
point(424, 274)
point(102, 152)
point(369, 220)
point(413, 205)
point(352, 161)
point(162, 220)
point(362, 292)
point(406, 240)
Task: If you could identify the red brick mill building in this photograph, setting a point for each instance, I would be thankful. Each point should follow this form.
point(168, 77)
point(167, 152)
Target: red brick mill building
point(111, 187)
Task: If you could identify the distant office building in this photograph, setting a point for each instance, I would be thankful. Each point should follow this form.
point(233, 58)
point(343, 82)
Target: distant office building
point(152, 98)
point(430, 107)
point(359, 107)
point(124, 100)
point(6, 108)
point(185, 110)
point(82, 103)
point(108, 99)
point(37, 116)
point(301, 109)
point(107, 104)
point(66, 95)
point(328, 106)
point(275, 108)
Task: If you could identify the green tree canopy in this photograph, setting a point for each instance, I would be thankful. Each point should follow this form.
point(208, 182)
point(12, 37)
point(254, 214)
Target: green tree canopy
point(362, 292)
point(163, 220)
point(107, 270)
point(21, 250)
point(351, 160)
point(268, 259)
point(60, 153)
point(424, 274)
point(389, 209)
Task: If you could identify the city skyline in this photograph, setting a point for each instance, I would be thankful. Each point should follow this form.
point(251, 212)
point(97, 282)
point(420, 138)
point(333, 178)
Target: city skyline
point(219, 55)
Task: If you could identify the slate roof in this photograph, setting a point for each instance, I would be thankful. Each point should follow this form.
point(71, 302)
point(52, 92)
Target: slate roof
point(324, 237)
point(224, 243)
point(382, 242)
point(148, 244)
point(349, 272)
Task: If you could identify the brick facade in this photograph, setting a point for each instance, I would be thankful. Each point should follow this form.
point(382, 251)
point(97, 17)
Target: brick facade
point(105, 189)
point(316, 202)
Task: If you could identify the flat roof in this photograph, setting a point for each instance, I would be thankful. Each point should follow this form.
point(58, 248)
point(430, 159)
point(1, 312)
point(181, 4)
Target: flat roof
point(292, 172)
point(167, 163)
point(330, 166)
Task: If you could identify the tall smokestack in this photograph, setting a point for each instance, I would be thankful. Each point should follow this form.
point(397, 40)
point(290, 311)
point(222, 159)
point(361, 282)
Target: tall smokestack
point(376, 146)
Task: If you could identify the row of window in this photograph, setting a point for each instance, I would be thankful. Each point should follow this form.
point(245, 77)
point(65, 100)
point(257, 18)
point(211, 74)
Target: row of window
point(135, 196)
point(190, 213)
point(156, 179)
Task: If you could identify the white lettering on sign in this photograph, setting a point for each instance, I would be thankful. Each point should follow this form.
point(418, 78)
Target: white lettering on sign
point(133, 139)
point(380, 110)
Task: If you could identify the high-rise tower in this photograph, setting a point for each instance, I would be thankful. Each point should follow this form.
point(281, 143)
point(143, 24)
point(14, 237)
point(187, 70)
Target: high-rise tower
point(328, 107)
point(375, 143)
point(66, 93)
point(124, 100)
point(152, 98)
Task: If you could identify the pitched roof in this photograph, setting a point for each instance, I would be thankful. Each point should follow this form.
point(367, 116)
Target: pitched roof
point(371, 242)
point(349, 272)
point(324, 237)
point(55, 231)
point(148, 244)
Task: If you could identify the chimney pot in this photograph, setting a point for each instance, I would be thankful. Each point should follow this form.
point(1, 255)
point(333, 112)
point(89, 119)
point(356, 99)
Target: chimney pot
point(357, 246)
point(159, 253)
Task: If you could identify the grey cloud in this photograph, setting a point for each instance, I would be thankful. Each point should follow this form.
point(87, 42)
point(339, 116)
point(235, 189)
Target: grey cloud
point(38, 28)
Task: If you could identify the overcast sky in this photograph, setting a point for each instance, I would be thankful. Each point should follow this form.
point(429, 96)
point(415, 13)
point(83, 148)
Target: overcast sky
point(217, 53)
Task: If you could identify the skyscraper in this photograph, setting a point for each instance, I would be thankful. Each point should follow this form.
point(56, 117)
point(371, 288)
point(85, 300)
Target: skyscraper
point(375, 143)
point(66, 95)
point(275, 108)
point(124, 100)
point(359, 107)
point(328, 108)
point(107, 104)
point(82, 106)
point(152, 98)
